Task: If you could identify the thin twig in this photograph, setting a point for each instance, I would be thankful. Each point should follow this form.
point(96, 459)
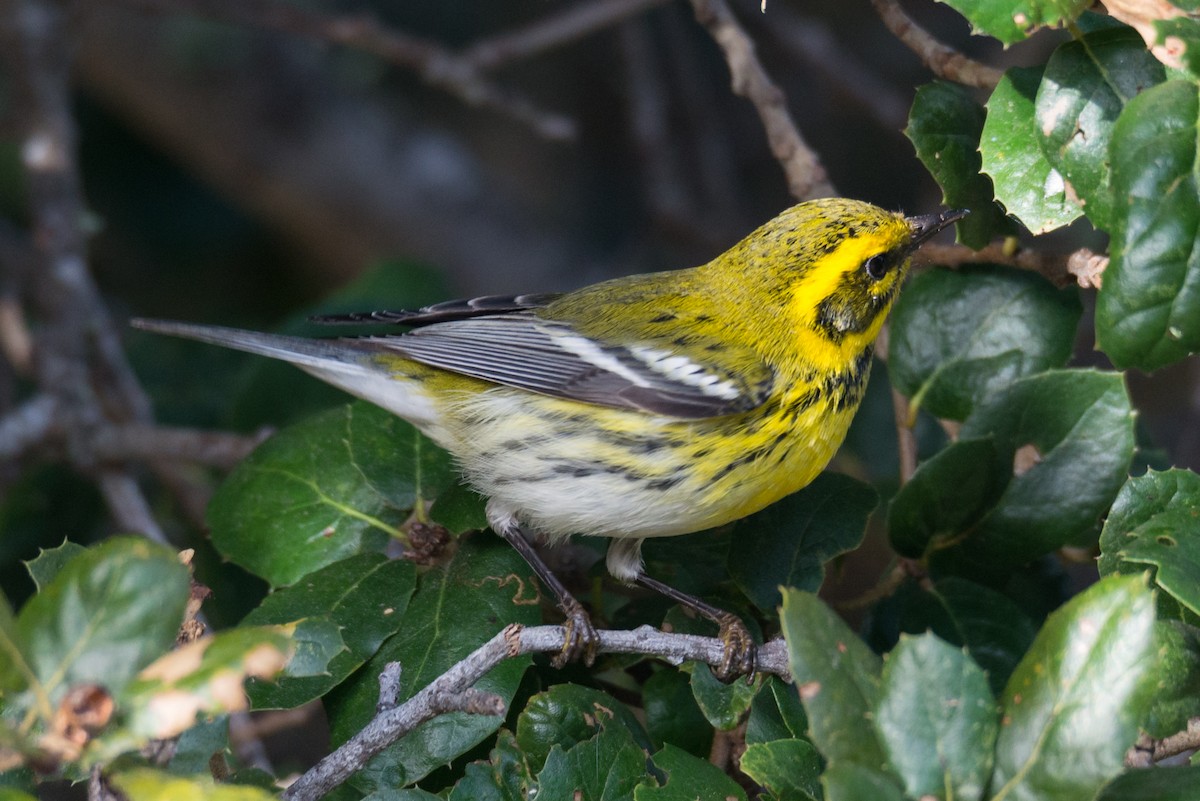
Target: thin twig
point(392, 724)
point(151, 443)
point(28, 426)
point(127, 504)
point(943, 60)
point(437, 65)
point(1082, 267)
point(1148, 751)
point(906, 439)
point(805, 176)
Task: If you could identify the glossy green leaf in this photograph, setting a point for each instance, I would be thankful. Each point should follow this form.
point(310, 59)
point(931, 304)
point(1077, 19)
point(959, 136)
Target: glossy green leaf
point(789, 769)
point(993, 629)
point(15, 670)
point(776, 713)
point(946, 496)
point(672, 715)
point(568, 714)
point(504, 777)
point(366, 595)
point(1155, 522)
point(1181, 36)
point(1177, 694)
point(1067, 435)
point(1010, 21)
point(944, 125)
point(689, 778)
point(1087, 83)
point(1148, 312)
point(196, 747)
point(204, 677)
point(460, 509)
point(937, 719)
point(145, 784)
point(1027, 184)
point(1073, 705)
point(838, 679)
point(723, 705)
point(606, 767)
point(45, 566)
point(959, 336)
point(1156, 784)
point(324, 489)
point(789, 542)
point(847, 781)
point(107, 613)
point(460, 604)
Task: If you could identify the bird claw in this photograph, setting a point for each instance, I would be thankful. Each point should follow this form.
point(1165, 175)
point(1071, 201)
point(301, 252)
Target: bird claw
point(580, 638)
point(740, 650)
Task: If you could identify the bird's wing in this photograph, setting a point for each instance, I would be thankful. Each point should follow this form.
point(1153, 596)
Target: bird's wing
point(444, 312)
point(552, 358)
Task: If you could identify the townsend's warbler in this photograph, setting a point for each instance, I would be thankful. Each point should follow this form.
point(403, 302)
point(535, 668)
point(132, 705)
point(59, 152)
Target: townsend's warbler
point(644, 406)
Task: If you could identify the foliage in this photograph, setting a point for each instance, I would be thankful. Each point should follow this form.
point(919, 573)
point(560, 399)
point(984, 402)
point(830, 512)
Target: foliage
point(976, 674)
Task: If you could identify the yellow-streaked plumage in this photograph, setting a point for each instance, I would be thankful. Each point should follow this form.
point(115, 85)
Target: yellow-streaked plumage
point(645, 406)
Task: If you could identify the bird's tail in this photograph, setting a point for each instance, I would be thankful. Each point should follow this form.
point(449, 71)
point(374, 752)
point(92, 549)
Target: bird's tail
point(350, 365)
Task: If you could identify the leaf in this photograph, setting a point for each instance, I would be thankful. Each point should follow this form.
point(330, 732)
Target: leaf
point(723, 705)
point(106, 614)
point(1177, 694)
point(1155, 521)
point(504, 777)
point(1026, 183)
point(1157, 784)
point(146, 784)
point(790, 769)
point(776, 714)
point(1073, 705)
point(672, 715)
point(45, 566)
point(789, 542)
point(1010, 22)
point(366, 595)
point(1068, 437)
point(568, 714)
point(324, 489)
point(1086, 84)
point(959, 336)
point(944, 125)
point(1177, 43)
point(689, 778)
point(937, 719)
point(15, 670)
point(847, 781)
point(1148, 312)
point(203, 677)
point(838, 679)
point(606, 767)
point(459, 605)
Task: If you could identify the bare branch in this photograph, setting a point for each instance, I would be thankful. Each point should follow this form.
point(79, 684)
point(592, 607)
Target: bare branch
point(1081, 266)
point(945, 61)
point(1149, 751)
point(435, 64)
point(451, 690)
point(28, 427)
point(150, 443)
point(805, 176)
point(127, 504)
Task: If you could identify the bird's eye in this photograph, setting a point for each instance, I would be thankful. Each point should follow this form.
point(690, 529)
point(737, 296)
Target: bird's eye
point(877, 266)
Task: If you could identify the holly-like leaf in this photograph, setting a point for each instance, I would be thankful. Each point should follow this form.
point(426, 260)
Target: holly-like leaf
point(1155, 521)
point(937, 719)
point(325, 489)
point(838, 679)
point(365, 595)
point(45, 566)
point(723, 705)
point(789, 542)
point(847, 781)
point(606, 767)
point(568, 714)
point(789, 769)
point(776, 714)
point(1027, 184)
point(1072, 707)
point(1177, 694)
point(959, 336)
point(1158, 784)
point(672, 715)
point(945, 125)
point(1148, 312)
point(1086, 84)
point(689, 778)
point(1010, 22)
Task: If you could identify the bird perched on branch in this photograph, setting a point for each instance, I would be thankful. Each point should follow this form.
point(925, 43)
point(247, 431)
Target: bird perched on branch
point(645, 406)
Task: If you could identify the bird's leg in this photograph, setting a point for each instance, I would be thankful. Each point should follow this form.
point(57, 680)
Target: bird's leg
point(740, 648)
point(581, 639)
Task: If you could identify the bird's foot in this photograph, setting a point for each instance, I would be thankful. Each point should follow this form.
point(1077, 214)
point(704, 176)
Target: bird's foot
point(580, 639)
point(740, 649)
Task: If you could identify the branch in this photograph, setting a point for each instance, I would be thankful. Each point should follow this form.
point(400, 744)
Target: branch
point(435, 64)
point(805, 176)
point(943, 60)
point(1082, 267)
point(452, 690)
point(28, 426)
point(152, 443)
point(1147, 752)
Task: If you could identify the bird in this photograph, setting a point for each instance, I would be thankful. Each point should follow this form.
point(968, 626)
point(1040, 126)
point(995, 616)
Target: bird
point(643, 406)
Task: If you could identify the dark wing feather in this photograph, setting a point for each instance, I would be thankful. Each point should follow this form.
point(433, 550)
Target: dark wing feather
point(551, 358)
point(443, 312)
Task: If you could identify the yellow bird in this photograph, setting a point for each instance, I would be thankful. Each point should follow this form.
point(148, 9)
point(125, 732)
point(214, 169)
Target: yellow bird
point(645, 406)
